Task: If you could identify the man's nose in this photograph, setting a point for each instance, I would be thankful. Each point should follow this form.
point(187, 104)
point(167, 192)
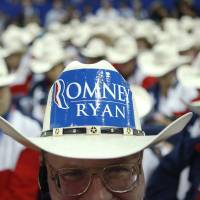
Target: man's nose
point(97, 191)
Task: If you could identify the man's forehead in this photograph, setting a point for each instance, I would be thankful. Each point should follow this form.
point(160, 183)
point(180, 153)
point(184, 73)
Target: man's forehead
point(61, 162)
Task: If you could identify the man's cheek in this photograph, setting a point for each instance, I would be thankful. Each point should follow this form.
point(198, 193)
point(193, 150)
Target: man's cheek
point(137, 193)
point(53, 191)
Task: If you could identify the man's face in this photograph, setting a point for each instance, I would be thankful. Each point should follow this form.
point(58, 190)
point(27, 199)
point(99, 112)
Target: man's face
point(97, 189)
point(191, 53)
point(13, 61)
point(88, 60)
point(5, 99)
point(53, 74)
point(126, 69)
point(143, 44)
point(167, 80)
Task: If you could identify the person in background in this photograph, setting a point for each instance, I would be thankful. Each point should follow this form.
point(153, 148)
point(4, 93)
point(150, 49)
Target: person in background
point(13, 55)
point(145, 35)
point(184, 157)
point(157, 11)
point(19, 165)
point(106, 11)
point(56, 13)
point(186, 44)
point(48, 62)
point(184, 7)
point(125, 10)
point(16, 56)
point(94, 51)
point(29, 12)
point(138, 10)
point(123, 56)
point(162, 63)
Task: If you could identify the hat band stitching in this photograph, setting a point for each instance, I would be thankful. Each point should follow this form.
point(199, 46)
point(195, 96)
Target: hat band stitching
point(93, 130)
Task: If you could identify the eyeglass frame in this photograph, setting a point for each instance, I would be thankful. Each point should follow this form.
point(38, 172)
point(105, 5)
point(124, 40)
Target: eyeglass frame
point(54, 173)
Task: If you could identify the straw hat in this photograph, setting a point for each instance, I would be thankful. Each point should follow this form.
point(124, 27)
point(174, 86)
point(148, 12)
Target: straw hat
point(92, 116)
point(162, 59)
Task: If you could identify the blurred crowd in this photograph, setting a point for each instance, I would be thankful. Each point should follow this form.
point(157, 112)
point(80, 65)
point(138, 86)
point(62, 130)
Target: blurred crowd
point(44, 12)
point(156, 51)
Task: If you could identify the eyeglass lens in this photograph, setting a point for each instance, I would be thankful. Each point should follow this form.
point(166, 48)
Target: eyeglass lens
point(116, 178)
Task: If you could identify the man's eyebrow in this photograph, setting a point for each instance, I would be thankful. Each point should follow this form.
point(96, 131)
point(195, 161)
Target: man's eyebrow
point(73, 164)
point(127, 160)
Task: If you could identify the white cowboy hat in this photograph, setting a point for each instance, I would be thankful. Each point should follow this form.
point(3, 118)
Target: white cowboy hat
point(55, 27)
point(44, 59)
point(146, 29)
point(196, 62)
point(63, 32)
point(95, 48)
point(123, 51)
point(194, 106)
point(53, 58)
point(12, 33)
point(142, 97)
point(187, 23)
point(66, 33)
point(128, 23)
point(159, 61)
point(171, 25)
point(189, 76)
point(195, 35)
point(91, 114)
point(15, 39)
point(14, 47)
point(184, 41)
point(5, 78)
point(81, 35)
point(33, 30)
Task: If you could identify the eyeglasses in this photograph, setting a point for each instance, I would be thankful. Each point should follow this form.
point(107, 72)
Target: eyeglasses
point(119, 178)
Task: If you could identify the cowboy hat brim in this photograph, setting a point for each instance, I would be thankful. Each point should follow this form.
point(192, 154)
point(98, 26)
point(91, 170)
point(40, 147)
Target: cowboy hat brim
point(7, 80)
point(142, 97)
point(105, 146)
point(194, 106)
point(189, 76)
point(150, 66)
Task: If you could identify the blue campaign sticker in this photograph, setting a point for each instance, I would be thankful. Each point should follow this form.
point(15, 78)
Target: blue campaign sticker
point(91, 97)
